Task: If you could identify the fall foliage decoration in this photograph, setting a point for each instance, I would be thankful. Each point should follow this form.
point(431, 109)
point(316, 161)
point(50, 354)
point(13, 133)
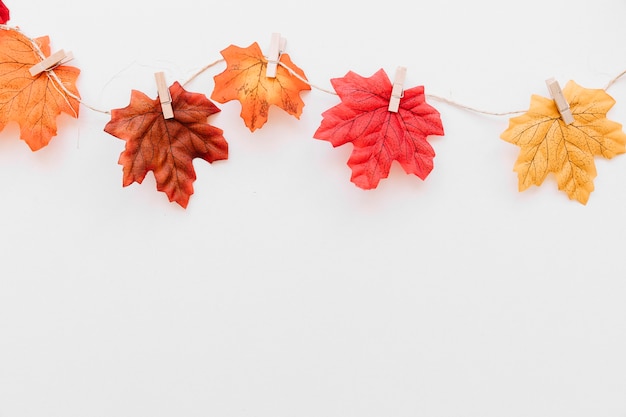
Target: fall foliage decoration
point(548, 145)
point(34, 102)
point(379, 136)
point(364, 117)
point(4, 13)
point(244, 79)
point(167, 147)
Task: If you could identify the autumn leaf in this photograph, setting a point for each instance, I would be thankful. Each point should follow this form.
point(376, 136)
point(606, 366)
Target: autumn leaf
point(167, 147)
point(33, 102)
point(379, 136)
point(244, 80)
point(548, 145)
point(4, 13)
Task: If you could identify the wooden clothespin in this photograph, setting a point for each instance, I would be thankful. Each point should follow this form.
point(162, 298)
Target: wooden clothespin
point(54, 60)
point(397, 91)
point(277, 47)
point(557, 95)
point(164, 95)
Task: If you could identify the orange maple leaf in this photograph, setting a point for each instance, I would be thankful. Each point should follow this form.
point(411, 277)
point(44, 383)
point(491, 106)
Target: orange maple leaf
point(548, 145)
point(244, 80)
point(33, 102)
point(167, 146)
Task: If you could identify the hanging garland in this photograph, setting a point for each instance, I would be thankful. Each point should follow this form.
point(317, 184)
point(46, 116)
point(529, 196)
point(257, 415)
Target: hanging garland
point(384, 121)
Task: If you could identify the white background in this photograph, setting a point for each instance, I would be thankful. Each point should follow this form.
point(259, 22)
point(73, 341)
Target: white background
point(284, 290)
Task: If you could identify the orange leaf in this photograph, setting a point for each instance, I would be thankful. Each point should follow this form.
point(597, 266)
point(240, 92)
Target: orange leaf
point(167, 146)
point(244, 80)
point(548, 145)
point(33, 102)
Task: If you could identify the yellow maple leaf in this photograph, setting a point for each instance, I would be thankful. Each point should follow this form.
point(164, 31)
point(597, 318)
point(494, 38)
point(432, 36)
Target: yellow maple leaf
point(548, 145)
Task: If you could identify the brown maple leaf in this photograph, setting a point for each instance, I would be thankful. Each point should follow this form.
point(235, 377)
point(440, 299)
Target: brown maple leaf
point(167, 146)
point(33, 102)
point(244, 80)
point(548, 145)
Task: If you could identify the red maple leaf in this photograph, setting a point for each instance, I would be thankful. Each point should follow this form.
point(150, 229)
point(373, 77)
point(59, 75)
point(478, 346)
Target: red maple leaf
point(378, 135)
point(4, 13)
point(167, 146)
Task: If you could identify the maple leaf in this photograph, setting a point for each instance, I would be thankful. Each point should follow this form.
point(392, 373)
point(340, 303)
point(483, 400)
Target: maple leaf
point(4, 13)
point(548, 145)
point(33, 102)
point(378, 135)
point(244, 80)
point(167, 146)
